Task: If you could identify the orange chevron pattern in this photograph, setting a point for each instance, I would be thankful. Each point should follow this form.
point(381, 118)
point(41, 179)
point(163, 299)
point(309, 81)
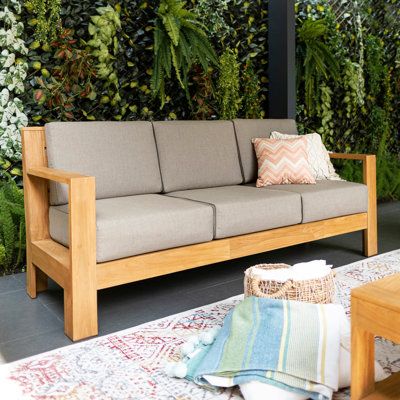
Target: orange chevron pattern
point(282, 161)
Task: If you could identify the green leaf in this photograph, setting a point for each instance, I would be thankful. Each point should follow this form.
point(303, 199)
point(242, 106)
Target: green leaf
point(172, 27)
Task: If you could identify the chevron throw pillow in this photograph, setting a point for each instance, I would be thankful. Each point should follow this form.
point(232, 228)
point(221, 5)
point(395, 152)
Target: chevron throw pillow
point(282, 161)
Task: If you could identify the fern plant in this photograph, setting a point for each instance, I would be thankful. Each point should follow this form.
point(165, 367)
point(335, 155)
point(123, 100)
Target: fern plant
point(179, 43)
point(316, 60)
point(12, 227)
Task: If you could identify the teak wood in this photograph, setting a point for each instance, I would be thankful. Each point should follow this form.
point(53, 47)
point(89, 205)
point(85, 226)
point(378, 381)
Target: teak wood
point(370, 235)
point(75, 268)
point(375, 310)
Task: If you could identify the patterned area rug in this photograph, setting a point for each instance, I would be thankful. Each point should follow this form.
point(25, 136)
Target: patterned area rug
point(129, 364)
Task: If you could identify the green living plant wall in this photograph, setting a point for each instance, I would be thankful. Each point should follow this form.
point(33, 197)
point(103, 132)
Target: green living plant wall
point(82, 60)
point(348, 56)
point(128, 60)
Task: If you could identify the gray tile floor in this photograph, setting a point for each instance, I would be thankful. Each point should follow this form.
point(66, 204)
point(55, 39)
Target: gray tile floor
point(29, 327)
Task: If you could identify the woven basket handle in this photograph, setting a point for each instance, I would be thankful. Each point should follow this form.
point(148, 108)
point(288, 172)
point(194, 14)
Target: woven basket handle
point(255, 286)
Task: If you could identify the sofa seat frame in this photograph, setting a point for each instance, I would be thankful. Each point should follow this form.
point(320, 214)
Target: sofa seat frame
point(75, 268)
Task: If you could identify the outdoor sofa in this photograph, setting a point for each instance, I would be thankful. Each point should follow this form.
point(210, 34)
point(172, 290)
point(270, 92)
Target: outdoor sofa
point(109, 203)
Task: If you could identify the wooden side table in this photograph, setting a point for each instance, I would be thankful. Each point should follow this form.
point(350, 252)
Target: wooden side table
point(375, 310)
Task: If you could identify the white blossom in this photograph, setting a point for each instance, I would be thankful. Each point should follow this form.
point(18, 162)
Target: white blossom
point(12, 77)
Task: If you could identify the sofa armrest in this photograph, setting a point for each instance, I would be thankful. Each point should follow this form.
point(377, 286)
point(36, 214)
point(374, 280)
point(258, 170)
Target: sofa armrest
point(56, 175)
point(82, 212)
point(369, 179)
point(369, 167)
point(81, 199)
point(349, 156)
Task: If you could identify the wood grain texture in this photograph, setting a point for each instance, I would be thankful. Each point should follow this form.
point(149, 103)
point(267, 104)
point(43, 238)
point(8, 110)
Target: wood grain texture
point(52, 258)
point(52, 174)
point(363, 358)
point(162, 262)
point(370, 235)
point(149, 265)
point(380, 320)
point(375, 311)
point(80, 293)
point(36, 203)
point(349, 156)
point(384, 293)
point(288, 236)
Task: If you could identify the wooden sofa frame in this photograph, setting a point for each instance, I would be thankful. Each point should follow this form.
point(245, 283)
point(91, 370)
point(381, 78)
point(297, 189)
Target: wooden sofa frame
point(75, 268)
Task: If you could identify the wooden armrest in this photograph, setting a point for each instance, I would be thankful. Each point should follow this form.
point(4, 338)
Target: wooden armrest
point(347, 156)
point(369, 166)
point(56, 175)
point(369, 179)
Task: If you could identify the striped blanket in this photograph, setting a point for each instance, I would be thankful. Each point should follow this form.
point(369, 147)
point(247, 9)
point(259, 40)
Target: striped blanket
point(290, 345)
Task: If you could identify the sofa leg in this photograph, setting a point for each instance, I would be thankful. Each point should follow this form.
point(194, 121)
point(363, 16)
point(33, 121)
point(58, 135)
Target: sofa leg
point(371, 233)
point(80, 311)
point(370, 238)
point(80, 290)
point(36, 280)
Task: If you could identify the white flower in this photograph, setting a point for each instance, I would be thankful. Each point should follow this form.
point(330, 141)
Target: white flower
point(12, 76)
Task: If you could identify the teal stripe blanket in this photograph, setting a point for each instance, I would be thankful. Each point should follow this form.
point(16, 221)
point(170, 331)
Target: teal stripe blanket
point(291, 345)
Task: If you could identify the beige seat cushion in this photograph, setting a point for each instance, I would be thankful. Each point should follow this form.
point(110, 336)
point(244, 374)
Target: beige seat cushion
point(247, 129)
point(242, 209)
point(328, 199)
point(197, 154)
point(121, 155)
point(127, 226)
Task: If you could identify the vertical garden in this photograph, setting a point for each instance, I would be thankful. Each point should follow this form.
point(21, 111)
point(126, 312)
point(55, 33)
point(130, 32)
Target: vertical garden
point(203, 59)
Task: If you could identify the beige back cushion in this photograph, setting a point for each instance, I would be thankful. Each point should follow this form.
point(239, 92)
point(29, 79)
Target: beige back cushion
point(122, 156)
point(247, 129)
point(197, 154)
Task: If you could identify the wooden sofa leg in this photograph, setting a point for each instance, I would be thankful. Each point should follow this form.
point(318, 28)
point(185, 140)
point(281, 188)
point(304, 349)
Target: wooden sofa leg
point(370, 237)
point(80, 311)
point(36, 280)
point(80, 291)
point(371, 233)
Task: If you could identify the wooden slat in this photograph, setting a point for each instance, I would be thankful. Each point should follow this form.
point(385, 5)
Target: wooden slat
point(53, 259)
point(163, 262)
point(288, 236)
point(52, 174)
point(145, 266)
point(36, 200)
point(349, 156)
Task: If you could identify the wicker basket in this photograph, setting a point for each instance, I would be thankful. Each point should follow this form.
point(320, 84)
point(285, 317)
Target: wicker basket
point(319, 291)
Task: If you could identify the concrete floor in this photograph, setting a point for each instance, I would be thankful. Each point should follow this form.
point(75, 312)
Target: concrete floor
point(29, 327)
